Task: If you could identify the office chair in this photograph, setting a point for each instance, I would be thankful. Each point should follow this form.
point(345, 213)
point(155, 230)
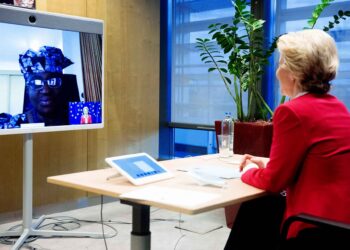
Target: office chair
point(328, 235)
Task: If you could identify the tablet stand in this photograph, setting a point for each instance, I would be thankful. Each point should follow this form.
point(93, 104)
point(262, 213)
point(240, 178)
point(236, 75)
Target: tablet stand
point(28, 227)
point(113, 176)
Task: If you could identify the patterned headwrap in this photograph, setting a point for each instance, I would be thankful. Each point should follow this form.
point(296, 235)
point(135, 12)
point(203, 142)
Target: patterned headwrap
point(48, 59)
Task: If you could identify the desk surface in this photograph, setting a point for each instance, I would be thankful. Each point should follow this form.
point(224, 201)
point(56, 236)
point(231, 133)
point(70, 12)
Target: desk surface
point(235, 192)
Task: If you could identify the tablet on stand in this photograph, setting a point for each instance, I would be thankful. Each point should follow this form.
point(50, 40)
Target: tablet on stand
point(139, 168)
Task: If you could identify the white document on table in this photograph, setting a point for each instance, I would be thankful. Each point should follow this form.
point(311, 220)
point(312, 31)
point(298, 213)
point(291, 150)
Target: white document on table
point(221, 172)
point(171, 196)
point(213, 170)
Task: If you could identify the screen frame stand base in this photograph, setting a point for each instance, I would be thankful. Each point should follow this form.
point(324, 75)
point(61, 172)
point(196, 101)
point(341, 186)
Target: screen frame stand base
point(28, 227)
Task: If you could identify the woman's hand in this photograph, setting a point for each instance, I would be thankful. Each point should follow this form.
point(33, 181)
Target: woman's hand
point(250, 161)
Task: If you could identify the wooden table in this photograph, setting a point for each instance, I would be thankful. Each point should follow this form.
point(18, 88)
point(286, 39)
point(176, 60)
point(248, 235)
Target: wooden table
point(96, 182)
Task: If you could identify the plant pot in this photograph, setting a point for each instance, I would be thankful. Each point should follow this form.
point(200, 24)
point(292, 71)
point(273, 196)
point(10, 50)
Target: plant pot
point(253, 138)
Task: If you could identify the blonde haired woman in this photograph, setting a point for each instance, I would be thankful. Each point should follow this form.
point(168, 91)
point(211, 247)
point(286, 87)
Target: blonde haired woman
point(85, 117)
point(310, 152)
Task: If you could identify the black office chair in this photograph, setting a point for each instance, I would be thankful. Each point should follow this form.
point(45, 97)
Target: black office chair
point(328, 234)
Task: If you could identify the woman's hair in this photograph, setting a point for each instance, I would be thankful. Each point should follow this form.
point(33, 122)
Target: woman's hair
point(311, 55)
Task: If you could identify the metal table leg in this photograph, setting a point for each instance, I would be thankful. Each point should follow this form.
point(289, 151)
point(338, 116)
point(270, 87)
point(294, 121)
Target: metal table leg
point(140, 234)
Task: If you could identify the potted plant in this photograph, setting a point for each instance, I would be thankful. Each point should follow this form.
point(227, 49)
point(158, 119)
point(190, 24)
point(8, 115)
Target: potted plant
point(241, 71)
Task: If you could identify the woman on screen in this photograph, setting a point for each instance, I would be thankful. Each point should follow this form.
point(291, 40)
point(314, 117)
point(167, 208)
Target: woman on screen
point(43, 73)
point(85, 117)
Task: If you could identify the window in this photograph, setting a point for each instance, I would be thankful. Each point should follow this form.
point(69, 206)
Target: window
point(197, 97)
point(292, 15)
point(194, 99)
point(191, 142)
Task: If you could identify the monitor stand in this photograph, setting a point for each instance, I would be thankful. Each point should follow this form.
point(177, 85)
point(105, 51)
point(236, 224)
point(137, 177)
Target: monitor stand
point(28, 227)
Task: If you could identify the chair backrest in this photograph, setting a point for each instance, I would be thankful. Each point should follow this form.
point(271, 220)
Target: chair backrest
point(334, 232)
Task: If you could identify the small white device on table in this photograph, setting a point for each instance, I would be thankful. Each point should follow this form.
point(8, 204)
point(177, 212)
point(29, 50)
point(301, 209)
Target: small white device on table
point(139, 168)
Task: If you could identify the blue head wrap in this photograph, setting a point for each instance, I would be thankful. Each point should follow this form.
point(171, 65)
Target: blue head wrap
point(47, 59)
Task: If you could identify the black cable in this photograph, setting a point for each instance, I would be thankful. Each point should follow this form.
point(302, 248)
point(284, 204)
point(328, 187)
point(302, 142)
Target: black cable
point(11, 240)
point(103, 230)
point(182, 234)
point(169, 220)
point(58, 225)
point(90, 221)
point(155, 210)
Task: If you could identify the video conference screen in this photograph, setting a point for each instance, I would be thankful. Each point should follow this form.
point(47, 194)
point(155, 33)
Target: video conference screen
point(49, 79)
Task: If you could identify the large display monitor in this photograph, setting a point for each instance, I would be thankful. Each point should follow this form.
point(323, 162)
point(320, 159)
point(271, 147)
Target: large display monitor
point(51, 72)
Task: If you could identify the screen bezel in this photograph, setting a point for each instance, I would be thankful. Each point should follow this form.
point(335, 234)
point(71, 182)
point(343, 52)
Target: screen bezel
point(22, 16)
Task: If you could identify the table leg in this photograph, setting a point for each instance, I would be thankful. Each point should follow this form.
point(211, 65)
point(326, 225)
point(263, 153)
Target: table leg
point(140, 234)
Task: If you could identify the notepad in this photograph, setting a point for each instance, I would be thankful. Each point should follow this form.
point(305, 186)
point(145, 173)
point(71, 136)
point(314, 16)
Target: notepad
point(221, 172)
point(171, 196)
point(215, 171)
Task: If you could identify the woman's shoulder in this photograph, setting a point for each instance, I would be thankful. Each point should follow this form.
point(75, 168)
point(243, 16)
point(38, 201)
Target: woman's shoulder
point(312, 99)
point(313, 104)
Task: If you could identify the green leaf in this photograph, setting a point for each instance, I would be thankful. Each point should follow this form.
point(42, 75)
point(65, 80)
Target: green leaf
point(259, 23)
point(310, 22)
point(243, 46)
point(228, 80)
point(216, 35)
point(211, 69)
point(227, 49)
point(213, 25)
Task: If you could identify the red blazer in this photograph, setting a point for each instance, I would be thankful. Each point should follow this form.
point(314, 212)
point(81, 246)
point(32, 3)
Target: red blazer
point(85, 120)
point(309, 158)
